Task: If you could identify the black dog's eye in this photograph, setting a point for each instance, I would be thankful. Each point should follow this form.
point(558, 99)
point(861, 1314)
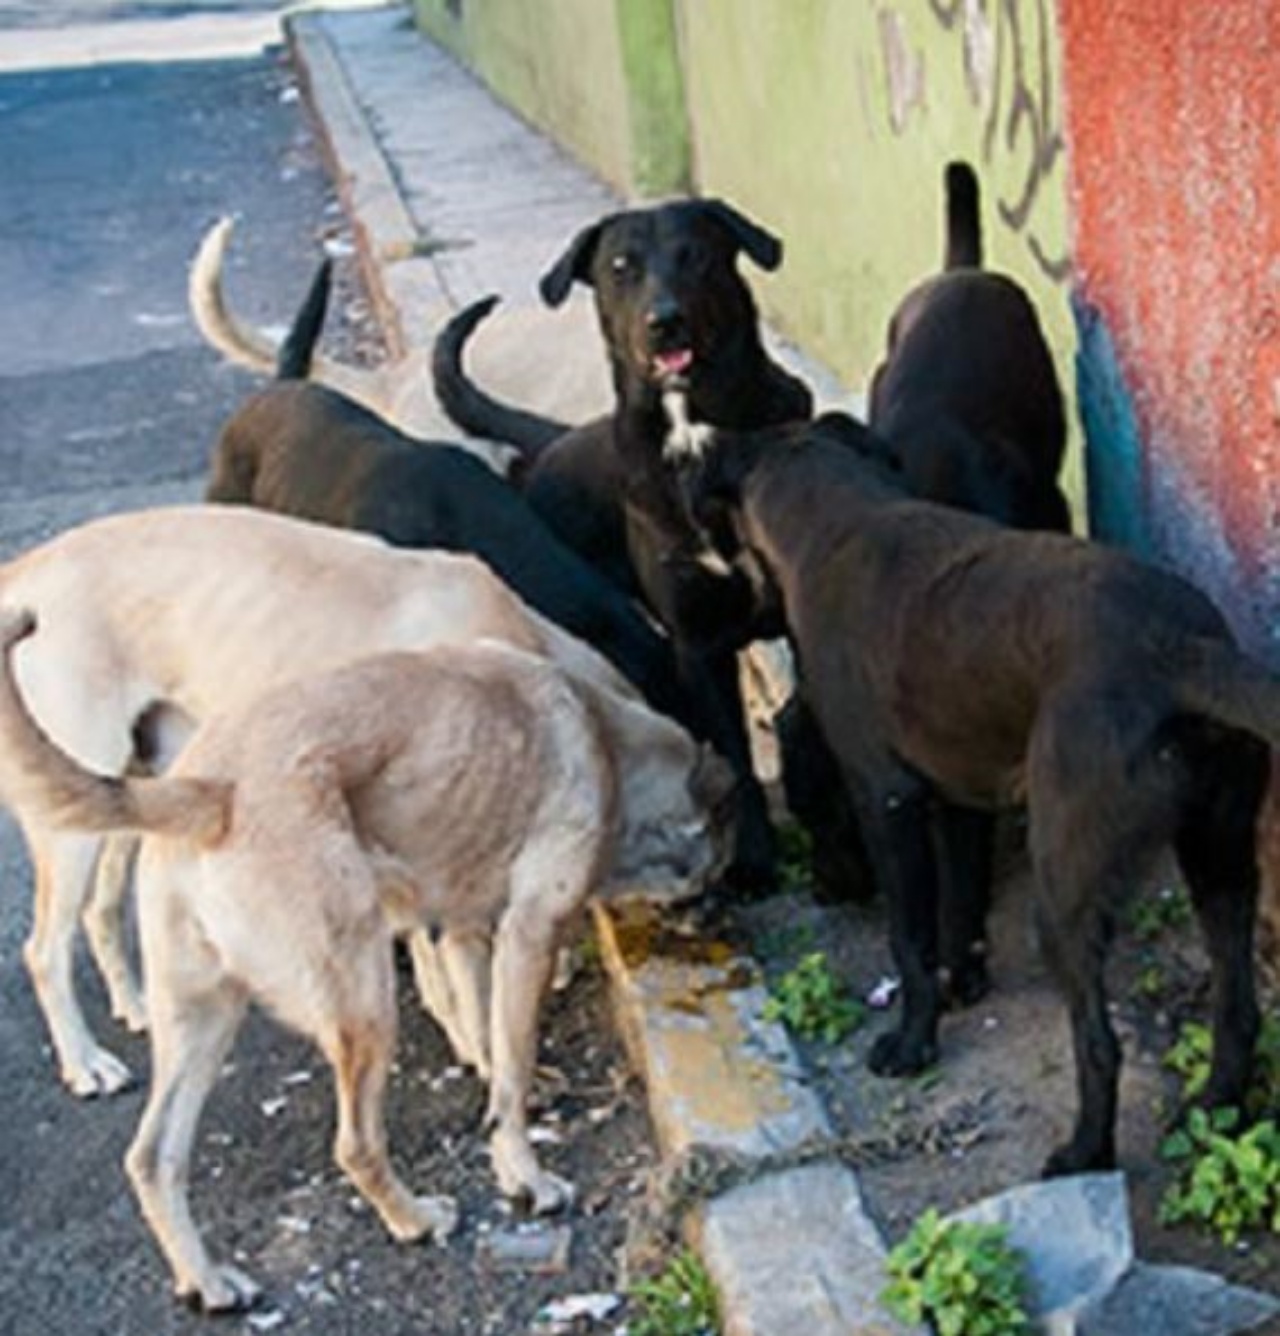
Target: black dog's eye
point(624, 266)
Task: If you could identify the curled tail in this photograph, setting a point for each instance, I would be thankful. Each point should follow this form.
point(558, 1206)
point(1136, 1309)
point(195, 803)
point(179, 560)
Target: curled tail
point(468, 406)
point(964, 222)
point(37, 776)
point(240, 342)
point(1217, 680)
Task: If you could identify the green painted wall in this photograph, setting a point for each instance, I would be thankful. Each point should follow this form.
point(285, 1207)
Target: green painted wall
point(828, 120)
point(601, 76)
point(831, 121)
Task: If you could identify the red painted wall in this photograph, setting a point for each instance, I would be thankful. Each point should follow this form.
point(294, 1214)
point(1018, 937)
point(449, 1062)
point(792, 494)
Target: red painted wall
point(1173, 118)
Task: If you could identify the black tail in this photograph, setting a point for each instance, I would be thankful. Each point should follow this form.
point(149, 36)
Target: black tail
point(471, 408)
point(964, 224)
point(293, 361)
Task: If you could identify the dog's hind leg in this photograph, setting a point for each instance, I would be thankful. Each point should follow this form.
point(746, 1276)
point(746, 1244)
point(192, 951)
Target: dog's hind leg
point(467, 957)
point(1102, 809)
point(1216, 845)
point(64, 864)
point(195, 1011)
point(964, 844)
point(104, 926)
point(452, 978)
point(358, 1037)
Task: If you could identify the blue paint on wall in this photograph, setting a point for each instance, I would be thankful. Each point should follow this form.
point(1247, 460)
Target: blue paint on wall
point(1113, 455)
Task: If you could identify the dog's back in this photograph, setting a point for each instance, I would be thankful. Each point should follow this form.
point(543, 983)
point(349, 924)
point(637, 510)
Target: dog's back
point(968, 394)
point(303, 450)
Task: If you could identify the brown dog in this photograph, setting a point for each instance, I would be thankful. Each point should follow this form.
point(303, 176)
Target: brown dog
point(462, 787)
point(955, 665)
point(153, 621)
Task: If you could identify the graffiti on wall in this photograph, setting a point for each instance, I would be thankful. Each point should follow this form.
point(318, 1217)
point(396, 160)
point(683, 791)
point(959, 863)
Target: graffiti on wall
point(1008, 54)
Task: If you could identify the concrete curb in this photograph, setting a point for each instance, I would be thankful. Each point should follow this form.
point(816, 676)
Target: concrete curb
point(384, 230)
point(791, 1250)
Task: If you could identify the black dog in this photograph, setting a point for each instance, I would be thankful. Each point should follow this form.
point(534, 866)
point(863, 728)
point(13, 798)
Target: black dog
point(678, 322)
point(967, 395)
point(305, 450)
point(952, 665)
point(968, 402)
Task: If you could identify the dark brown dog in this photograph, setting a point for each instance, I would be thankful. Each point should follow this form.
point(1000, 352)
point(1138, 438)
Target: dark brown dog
point(679, 321)
point(956, 665)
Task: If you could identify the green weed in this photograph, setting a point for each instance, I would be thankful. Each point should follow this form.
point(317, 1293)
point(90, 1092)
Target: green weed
point(809, 1000)
point(966, 1279)
point(1151, 913)
point(679, 1301)
point(1191, 1056)
point(1228, 1180)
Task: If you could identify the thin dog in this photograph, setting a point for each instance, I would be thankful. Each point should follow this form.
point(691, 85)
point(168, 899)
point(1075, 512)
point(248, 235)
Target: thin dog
point(461, 786)
point(153, 621)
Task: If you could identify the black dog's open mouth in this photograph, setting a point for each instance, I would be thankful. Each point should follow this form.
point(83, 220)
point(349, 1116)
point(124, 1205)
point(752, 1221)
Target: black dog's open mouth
point(672, 364)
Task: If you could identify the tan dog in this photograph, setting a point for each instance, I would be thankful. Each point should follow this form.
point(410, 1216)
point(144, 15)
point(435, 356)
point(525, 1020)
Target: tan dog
point(153, 621)
point(460, 787)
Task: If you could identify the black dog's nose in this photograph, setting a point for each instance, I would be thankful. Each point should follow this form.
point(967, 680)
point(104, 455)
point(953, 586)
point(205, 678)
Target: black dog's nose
point(664, 320)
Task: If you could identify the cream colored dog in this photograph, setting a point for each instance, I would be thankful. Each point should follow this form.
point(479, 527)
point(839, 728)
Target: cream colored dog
point(461, 787)
point(152, 621)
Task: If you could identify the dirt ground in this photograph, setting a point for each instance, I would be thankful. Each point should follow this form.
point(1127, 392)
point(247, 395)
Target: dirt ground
point(1003, 1094)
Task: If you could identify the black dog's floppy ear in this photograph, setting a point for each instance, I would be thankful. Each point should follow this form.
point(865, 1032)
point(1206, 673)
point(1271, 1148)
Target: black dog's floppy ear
point(762, 246)
point(575, 263)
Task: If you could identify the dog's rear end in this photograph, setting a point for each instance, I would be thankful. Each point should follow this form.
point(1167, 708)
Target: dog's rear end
point(481, 788)
point(967, 393)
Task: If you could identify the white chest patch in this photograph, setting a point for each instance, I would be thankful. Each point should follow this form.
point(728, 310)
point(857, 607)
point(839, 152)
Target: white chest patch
point(685, 439)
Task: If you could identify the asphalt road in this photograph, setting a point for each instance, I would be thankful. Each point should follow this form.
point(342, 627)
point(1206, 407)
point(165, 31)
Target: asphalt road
point(109, 401)
point(109, 175)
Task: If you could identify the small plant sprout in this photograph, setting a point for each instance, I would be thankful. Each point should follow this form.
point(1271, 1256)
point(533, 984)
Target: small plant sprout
point(1191, 1056)
point(679, 1301)
point(809, 1000)
point(966, 1279)
point(1228, 1180)
point(1151, 913)
point(1150, 981)
point(795, 857)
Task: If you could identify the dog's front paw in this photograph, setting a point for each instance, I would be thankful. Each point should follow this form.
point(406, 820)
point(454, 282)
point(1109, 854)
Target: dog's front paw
point(900, 1054)
point(427, 1217)
point(131, 1012)
point(96, 1073)
point(1076, 1159)
point(547, 1193)
point(222, 1289)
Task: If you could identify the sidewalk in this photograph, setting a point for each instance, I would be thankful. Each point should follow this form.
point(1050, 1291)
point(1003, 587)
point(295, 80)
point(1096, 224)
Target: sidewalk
point(453, 197)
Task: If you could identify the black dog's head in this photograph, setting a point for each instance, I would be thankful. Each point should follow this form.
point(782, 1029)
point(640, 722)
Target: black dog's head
point(674, 310)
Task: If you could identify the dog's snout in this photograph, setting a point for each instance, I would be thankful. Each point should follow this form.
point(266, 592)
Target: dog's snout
point(664, 319)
